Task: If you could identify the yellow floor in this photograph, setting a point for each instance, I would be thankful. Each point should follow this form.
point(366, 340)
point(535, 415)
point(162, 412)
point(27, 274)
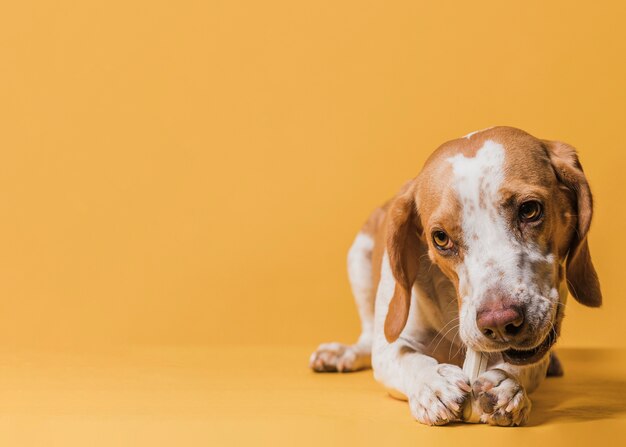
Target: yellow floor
point(267, 396)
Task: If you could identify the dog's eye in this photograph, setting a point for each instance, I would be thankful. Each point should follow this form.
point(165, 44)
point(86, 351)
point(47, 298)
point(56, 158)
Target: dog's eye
point(441, 240)
point(530, 211)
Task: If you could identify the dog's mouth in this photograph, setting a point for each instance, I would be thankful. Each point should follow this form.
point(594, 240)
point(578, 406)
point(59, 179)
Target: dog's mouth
point(528, 356)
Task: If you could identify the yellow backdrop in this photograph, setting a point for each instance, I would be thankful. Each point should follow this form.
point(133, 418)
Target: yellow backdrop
point(181, 177)
point(194, 172)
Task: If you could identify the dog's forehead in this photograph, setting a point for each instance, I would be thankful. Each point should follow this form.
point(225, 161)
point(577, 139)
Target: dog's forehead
point(492, 157)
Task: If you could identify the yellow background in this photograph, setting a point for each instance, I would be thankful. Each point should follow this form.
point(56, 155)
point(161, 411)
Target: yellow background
point(192, 173)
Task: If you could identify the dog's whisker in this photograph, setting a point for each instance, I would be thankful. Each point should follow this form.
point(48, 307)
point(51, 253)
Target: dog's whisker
point(442, 338)
point(440, 332)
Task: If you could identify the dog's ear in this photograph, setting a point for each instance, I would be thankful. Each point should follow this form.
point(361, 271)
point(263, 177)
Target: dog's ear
point(403, 239)
point(582, 280)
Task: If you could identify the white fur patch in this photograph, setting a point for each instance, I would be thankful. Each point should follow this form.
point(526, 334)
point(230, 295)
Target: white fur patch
point(360, 274)
point(492, 256)
point(359, 263)
point(469, 135)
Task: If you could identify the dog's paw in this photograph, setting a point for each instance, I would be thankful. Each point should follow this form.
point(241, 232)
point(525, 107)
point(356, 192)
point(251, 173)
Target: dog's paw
point(440, 395)
point(336, 357)
point(501, 398)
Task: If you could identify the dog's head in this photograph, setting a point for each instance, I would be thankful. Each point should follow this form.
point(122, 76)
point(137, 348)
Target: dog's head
point(499, 212)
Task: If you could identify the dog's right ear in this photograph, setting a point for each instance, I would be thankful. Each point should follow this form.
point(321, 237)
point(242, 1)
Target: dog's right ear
point(582, 279)
point(403, 239)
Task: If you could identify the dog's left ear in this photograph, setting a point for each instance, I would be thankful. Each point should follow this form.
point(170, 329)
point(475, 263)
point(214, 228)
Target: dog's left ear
point(403, 229)
point(582, 279)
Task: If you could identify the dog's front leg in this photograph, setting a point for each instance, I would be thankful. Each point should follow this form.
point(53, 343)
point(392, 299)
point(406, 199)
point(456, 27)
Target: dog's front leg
point(502, 392)
point(436, 391)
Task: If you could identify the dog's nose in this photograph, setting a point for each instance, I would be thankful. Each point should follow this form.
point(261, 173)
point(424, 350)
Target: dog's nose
point(500, 321)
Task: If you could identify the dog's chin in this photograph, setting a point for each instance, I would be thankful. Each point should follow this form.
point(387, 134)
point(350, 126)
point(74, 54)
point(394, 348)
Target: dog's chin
point(530, 356)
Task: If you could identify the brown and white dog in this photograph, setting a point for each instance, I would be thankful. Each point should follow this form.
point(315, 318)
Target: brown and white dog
point(473, 252)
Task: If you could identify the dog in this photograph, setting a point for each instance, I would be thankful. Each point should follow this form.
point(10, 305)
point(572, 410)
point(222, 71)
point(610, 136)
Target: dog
point(477, 251)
